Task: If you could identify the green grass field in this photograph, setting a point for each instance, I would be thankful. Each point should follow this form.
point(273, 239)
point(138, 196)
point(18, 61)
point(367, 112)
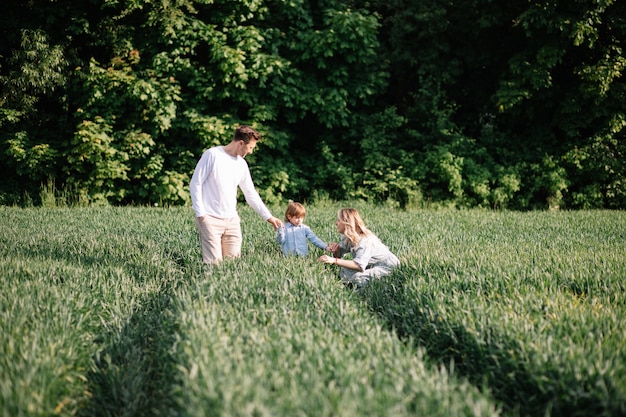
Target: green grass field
point(108, 312)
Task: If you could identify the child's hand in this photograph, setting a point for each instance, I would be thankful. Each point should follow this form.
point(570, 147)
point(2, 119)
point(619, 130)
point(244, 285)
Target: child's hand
point(332, 247)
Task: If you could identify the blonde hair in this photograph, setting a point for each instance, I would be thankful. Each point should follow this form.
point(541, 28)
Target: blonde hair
point(294, 210)
point(354, 226)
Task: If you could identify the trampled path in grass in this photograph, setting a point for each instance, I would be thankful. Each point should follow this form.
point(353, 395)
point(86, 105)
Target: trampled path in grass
point(106, 311)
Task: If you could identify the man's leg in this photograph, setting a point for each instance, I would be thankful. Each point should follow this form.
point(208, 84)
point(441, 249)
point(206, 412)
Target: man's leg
point(231, 238)
point(211, 230)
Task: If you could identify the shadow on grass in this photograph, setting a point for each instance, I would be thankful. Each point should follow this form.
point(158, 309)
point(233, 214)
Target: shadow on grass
point(488, 361)
point(132, 368)
point(135, 373)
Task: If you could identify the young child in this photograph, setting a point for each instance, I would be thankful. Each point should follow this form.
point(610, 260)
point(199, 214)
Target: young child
point(370, 257)
point(294, 235)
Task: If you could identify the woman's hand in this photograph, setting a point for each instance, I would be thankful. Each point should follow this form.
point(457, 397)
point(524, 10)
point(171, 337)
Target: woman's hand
point(327, 259)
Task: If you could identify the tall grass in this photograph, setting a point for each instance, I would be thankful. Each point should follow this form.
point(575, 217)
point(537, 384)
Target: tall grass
point(108, 311)
point(529, 304)
point(84, 299)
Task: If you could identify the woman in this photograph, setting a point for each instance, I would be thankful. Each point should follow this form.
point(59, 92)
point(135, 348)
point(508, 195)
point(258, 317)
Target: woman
point(370, 257)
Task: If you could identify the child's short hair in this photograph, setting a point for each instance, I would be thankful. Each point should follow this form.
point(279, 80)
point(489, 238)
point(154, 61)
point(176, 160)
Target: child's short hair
point(295, 210)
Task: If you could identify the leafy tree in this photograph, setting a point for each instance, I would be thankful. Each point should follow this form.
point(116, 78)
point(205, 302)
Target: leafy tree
point(525, 82)
point(480, 103)
point(28, 82)
point(149, 85)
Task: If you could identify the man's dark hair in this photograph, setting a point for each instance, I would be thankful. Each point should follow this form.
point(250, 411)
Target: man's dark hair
point(246, 133)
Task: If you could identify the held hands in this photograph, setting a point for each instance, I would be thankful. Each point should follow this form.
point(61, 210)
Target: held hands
point(275, 222)
point(332, 247)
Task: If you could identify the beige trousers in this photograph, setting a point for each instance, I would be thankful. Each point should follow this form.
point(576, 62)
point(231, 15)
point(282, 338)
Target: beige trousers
point(219, 238)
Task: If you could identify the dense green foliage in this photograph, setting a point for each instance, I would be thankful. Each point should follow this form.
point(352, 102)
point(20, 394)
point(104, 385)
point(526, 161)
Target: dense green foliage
point(505, 104)
point(108, 311)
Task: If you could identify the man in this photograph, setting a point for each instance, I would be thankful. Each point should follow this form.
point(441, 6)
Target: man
point(213, 189)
